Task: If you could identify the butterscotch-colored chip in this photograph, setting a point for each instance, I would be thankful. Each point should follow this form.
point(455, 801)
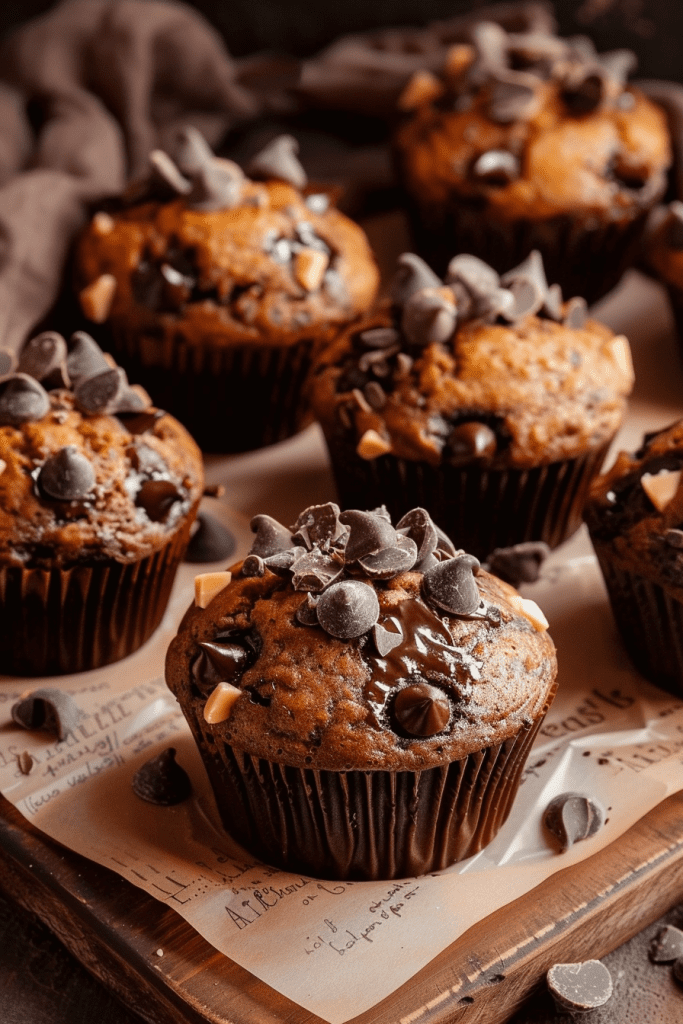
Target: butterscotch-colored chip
point(309, 268)
point(661, 487)
point(622, 355)
point(103, 223)
point(208, 584)
point(530, 610)
point(372, 445)
point(422, 87)
point(219, 705)
point(96, 298)
point(3, 466)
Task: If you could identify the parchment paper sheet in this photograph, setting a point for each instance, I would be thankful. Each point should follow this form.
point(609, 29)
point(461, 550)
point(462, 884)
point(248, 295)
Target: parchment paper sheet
point(338, 948)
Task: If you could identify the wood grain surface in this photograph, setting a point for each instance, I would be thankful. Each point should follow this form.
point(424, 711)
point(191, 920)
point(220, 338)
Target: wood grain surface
point(115, 930)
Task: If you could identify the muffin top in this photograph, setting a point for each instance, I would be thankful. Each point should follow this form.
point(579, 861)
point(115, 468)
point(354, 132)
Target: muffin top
point(477, 369)
point(348, 644)
point(89, 469)
point(531, 125)
point(635, 510)
point(203, 252)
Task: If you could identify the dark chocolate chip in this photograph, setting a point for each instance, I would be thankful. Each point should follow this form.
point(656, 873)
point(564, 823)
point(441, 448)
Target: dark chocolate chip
point(421, 710)
point(210, 542)
point(165, 173)
point(451, 585)
point(375, 395)
point(582, 986)
point(253, 565)
point(101, 393)
point(386, 639)
point(575, 314)
point(418, 525)
point(479, 279)
point(497, 167)
point(318, 525)
point(315, 570)
point(470, 442)
point(44, 356)
point(25, 762)
point(141, 423)
point(157, 498)
point(369, 533)
point(162, 781)
point(85, 358)
point(217, 185)
point(282, 561)
point(279, 160)
point(271, 536)
point(7, 361)
point(520, 563)
point(674, 538)
point(572, 817)
point(348, 609)
point(307, 613)
point(67, 475)
point(220, 661)
point(379, 337)
point(584, 96)
point(22, 400)
point(428, 318)
point(53, 710)
point(412, 275)
point(667, 945)
point(192, 151)
point(390, 562)
point(512, 101)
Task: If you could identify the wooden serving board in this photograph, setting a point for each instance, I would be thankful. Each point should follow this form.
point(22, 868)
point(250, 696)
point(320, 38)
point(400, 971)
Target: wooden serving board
point(115, 930)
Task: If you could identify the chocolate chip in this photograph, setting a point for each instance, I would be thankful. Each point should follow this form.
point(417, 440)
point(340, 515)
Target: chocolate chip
point(164, 173)
point(85, 358)
point(478, 277)
point(674, 538)
point(451, 585)
point(210, 542)
point(584, 96)
point(140, 423)
point(220, 661)
point(412, 275)
point(52, 710)
point(379, 337)
point(390, 562)
point(572, 817)
point(318, 524)
point(25, 762)
point(22, 400)
point(348, 609)
point(217, 185)
point(667, 945)
point(101, 393)
point(282, 561)
point(7, 361)
point(44, 357)
point(192, 151)
point(428, 317)
point(583, 986)
point(512, 101)
point(253, 565)
point(315, 570)
point(271, 536)
point(279, 160)
point(157, 498)
point(471, 443)
point(421, 710)
point(528, 284)
point(497, 167)
point(418, 525)
point(575, 314)
point(306, 613)
point(369, 533)
point(520, 563)
point(67, 475)
point(386, 639)
point(162, 781)
point(132, 401)
point(375, 395)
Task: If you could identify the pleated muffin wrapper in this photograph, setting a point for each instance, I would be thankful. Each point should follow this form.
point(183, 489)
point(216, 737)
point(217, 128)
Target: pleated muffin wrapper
point(232, 398)
point(649, 619)
point(364, 825)
point(57, 621)
point(480, 508)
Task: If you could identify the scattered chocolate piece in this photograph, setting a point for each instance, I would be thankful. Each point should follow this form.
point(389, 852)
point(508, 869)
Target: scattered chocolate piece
point(210, 542)
point(421, 710)
point(279, 160)
point(162, 781)
point(496, 167)
point(369, 533)
point(348, 609)
point(85, 358)
point(667, 945)
point(520, 563)
point(22, 400)
point(67, 476)
point(44, 357)
point(315, 570)
point(571, 817)
point(451, 585)
point(253, 565)
point(271, 536)
point(470, 442)
point(157, 497)
point(386, 639)
point(412, 275)
point(306, 613)
point(102, 392)
point(583, 986)
point(25, 762)
point(49, 709)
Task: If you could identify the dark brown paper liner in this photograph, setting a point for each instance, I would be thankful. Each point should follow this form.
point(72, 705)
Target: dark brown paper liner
point(56, 621)
point(480, 509)
point(231, 398)
point(364, 825)
point(650, 621)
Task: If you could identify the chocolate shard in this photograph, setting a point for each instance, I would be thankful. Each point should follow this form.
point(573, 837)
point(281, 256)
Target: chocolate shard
point(162, 781)
point(572, 817)
point(318, 525)
point(192, 151)
point(667, 945)
point(279, 160)
point(217, 185)
point(412, 275)
point(210, 542)
point(85, 358)
point(164, 173)
point(7, 361)
point(306, 613)
point(390, 562)
point(368, 534)
point(386, 639)
point(52, 710)
point(271, 536)
point(101, 393)
point(520, 563)
point(479, 279)
point(253, 565)
point(582, 987)
point(451, 585)
point(348, 609)
point(157, 498)
point(421, 710)
point(67, 475)
point(44, 356)
point(282, 561)
point(315, 570)
point(497, 167)
point(418, 525)
point(22, 400)
point(429, 317)
point(575, 313)
point(220, 661)
point(470, 442)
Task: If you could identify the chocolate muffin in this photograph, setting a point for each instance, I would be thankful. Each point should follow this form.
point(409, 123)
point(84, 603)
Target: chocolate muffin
point(635, 519)
point(217, 288)
point(486, 399)
point(364, 697)
point(98, 491)
point(528, 141)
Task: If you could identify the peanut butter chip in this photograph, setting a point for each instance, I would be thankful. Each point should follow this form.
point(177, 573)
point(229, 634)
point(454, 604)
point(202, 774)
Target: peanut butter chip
point(219, 705)
point(97, 297)
point(309, 268)
point(422, 87)
point(207, 585)
point(530, 610)
point(372, 445)
point(661, 487)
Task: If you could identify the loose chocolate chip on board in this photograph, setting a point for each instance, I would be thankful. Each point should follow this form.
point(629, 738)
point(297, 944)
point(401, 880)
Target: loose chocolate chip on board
point(43, 356)
point(369, 533)
point(348, 609)
point(22, 400)
point(157, 497)
point(67, 476)
point(50, 709)
point(520, 563)
point(162, 781)
point(451, 585)
point(421, 710)
point(271, 536)
point(210, 542)
point(583, 986)
point(572, 817)
point(412, 275)
point(279, 160)
point(667, 945)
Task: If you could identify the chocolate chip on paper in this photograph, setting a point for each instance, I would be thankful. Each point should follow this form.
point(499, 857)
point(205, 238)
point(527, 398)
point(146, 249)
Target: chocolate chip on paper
point(210, 542)
point(279, 160)
point(348, 609)
point(22, 400)
point(68, 475)
point(25, 762)
point(571, 818)
point(162, 781)
point(451, 585)
point(667, 945)
point(421, 710)
point(50, 709)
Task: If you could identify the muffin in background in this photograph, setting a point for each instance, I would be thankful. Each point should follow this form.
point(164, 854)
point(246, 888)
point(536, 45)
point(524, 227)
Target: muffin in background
point(487, 400)
point(364, 697)
point(528, 141)
point(635, 520)
point(217, 288)
point(98, 492)
point(664, 255)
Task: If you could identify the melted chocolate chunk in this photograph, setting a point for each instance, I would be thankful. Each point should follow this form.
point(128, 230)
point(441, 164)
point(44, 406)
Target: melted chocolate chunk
point(85, 358)
point(44, 357)
point(222, 661)
point(667, 945)
point(52, 710)
point(279, 160)
point(348, 609)
point(271, 536)
point(210, 542)
point(157, 498)
point(67, 476)
point(451, 585)
point(471, 443)
point(162, 781)
point(572, 817)
point(22, 400)
point(102, 392)
point(520, 563)
point(421, 710)
point(369, 533)
point(582, 986)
